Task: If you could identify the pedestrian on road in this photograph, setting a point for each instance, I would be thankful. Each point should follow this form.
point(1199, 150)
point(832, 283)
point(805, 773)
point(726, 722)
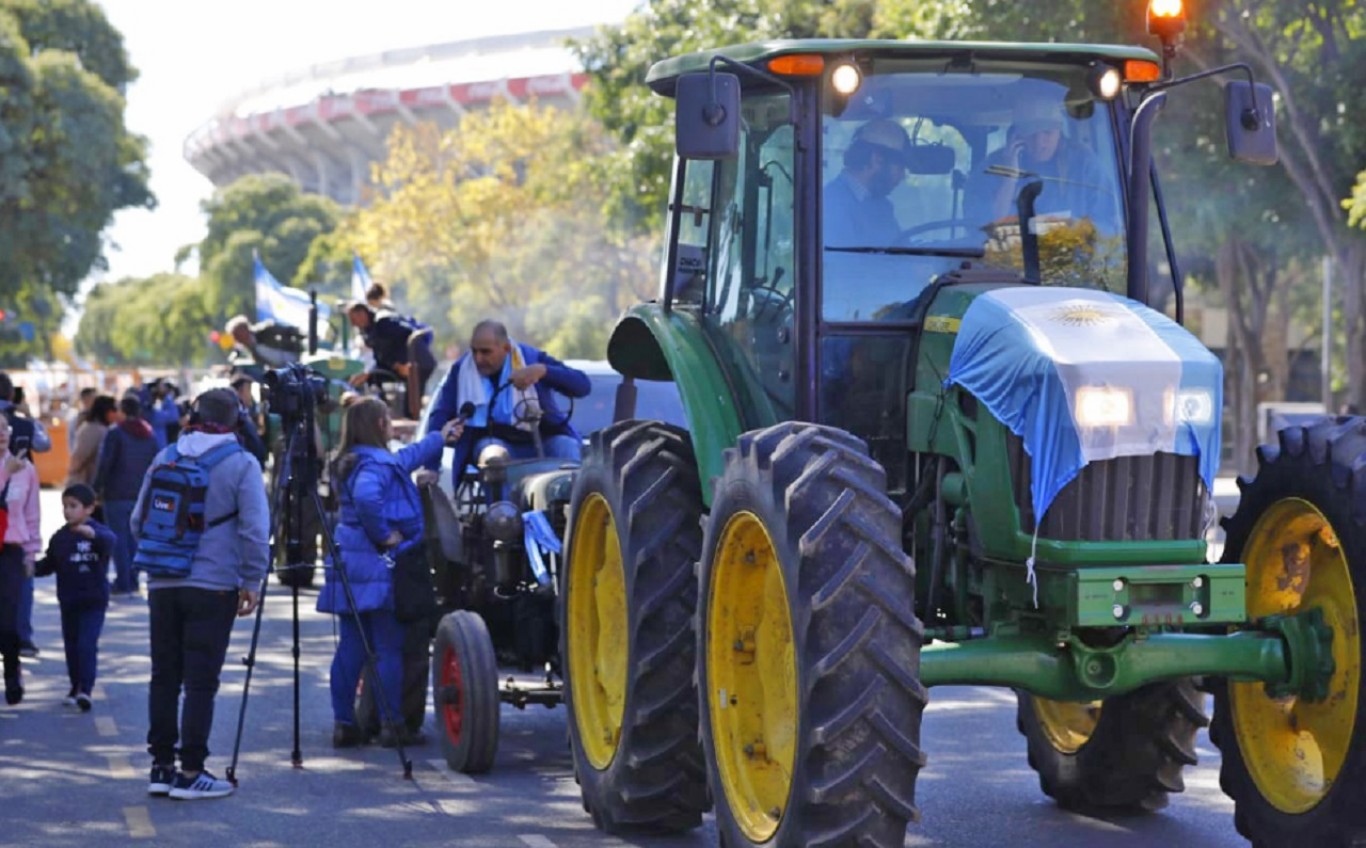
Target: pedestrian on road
point(79, 555)
point(103, 414)
point(381, 523)
point(192, 616)
point(19, 544)
point(78, 414)
point(27, 437)
point(125, 455)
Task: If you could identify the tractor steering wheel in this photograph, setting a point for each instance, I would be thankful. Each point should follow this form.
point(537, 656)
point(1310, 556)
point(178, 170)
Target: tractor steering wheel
point(950, 224)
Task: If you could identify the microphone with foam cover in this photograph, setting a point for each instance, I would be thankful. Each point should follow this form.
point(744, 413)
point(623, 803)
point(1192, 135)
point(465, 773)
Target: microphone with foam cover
point(466, 410)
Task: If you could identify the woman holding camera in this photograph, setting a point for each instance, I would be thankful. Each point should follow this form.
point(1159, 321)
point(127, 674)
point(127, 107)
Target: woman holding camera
point(381, 523)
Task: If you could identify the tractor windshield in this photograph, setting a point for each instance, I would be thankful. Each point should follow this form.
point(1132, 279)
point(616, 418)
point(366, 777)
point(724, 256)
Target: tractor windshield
point(929, 163)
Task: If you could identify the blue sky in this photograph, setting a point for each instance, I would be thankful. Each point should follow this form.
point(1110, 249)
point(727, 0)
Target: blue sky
point(193, 55)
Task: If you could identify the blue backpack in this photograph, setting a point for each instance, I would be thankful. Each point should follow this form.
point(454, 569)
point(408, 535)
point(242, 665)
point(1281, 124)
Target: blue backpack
point(173, 518)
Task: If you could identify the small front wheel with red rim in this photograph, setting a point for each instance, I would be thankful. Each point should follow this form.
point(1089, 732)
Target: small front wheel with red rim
point(465, 692)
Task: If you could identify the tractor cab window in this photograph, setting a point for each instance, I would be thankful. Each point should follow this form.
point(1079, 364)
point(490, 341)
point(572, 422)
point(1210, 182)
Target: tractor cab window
point(1006, 164)
point(694, 200)
point(751, 284)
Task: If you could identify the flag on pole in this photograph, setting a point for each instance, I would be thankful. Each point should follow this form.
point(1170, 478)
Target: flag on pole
point(284, 305)
point(360, 279)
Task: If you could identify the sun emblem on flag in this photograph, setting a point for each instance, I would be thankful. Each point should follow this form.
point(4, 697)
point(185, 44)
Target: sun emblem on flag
point(1084, 315)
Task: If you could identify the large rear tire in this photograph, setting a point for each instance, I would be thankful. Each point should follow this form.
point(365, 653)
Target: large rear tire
point(810, 651)
point(1125, 753)
point(465, 692)
point(1294, 765)
point(627, 635)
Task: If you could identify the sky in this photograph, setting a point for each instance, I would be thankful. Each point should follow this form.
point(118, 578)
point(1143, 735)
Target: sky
point(193, 55)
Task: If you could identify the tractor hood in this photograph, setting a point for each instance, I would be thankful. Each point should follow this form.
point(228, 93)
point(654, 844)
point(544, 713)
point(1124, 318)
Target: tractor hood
point(1082, 375)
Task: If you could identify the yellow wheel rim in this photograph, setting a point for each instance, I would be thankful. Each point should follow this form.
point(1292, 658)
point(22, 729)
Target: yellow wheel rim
point(1295, 749)
point(596, 605)
point(752, 676)
point(1068, 725)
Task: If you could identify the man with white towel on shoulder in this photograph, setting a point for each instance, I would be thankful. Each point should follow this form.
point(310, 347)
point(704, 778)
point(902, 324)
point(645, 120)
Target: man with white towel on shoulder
point(505, 392)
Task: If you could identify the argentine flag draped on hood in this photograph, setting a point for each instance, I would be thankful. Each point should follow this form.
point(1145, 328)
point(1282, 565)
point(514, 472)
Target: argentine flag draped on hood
point(1082, 375)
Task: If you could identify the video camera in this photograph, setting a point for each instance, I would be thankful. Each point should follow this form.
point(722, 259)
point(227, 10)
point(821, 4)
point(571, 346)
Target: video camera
point(294, 390)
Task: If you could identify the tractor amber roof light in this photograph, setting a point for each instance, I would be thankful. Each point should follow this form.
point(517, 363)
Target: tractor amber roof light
point(1166, 18)
point(798, 65)
point(1140, 70)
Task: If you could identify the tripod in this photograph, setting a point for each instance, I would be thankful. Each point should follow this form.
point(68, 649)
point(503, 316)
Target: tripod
point(287, 500)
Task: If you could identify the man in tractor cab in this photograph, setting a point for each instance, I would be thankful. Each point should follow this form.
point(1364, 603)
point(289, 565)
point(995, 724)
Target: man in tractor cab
point(1038, 149)
point(505, 392)
point(857, 209)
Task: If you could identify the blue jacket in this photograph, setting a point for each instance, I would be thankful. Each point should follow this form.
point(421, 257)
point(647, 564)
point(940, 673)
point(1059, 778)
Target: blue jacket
point(558, 378)
point(125, 455)
point(376, 498)
point(80, 565)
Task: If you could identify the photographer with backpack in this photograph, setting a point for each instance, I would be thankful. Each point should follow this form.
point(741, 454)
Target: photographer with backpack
point(203, 529)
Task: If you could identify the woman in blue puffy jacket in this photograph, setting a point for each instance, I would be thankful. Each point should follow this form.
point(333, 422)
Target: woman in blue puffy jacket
point(381, 519)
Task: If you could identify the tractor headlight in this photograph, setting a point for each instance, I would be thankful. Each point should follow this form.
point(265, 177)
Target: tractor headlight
point(1193, 406)
point(1100, 406)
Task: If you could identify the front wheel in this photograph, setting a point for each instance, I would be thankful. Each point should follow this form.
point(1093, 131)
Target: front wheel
point(465, 692)
point(1126, 752)
point(1294, 762)
point(810, 648)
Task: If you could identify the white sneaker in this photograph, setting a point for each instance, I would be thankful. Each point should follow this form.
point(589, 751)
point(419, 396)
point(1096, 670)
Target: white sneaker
point(203, 786)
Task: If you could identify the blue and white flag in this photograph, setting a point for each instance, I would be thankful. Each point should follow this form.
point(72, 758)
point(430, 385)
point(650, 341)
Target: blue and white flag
point(1082, 375)
point(360, 279)
point(284, 305)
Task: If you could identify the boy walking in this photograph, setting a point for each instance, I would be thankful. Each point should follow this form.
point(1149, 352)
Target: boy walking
point(192, 615)
point(79, 555)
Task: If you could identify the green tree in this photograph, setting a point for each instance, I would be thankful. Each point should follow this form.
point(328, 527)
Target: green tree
point(158, 320)
point(67, 161)
point(264, 213)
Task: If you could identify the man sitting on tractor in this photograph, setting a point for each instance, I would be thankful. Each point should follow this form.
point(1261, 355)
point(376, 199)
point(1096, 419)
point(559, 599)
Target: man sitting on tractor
point(857, 209)
point(504, 391)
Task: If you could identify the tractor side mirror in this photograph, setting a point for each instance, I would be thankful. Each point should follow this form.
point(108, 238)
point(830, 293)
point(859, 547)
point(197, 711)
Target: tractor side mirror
point(1250, 123)
point(708, 116)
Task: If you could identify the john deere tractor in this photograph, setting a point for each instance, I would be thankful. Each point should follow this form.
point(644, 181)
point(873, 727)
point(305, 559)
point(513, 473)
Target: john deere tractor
point(940, 434)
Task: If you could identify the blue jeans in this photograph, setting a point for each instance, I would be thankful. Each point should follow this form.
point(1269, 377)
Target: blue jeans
point(81, 626)
point(120, 514)
point(385, 634)
point(560, 447)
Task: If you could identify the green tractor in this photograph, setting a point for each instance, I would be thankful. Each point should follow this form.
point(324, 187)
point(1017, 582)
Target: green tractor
point(960, 449)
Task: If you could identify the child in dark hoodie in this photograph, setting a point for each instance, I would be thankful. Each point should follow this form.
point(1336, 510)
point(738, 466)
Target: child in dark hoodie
point(79, 555)
point(125, 455)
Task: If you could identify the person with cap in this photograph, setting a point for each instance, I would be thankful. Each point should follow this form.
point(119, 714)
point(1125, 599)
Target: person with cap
point(858, 212)
point(1038, 149)
point(399, 342)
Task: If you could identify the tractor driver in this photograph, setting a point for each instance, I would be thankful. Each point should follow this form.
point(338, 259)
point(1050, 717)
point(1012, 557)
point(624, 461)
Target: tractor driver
point(503, 391)
point(858, 212)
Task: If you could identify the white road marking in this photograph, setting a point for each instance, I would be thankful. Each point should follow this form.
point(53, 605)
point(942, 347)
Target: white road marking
point(120, 767)
point(535, 840)
point(105, 726)
point(139, 821)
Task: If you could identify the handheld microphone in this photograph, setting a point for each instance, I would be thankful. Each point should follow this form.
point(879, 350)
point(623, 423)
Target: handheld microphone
point(466, 411)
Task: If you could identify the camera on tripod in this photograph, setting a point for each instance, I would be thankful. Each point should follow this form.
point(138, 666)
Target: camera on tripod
point(294, 390)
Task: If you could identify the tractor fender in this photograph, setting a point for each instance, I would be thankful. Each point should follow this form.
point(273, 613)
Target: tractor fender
point(649, 343)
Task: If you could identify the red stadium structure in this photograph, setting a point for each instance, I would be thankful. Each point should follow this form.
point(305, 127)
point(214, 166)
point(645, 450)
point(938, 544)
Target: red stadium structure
point(325, 125)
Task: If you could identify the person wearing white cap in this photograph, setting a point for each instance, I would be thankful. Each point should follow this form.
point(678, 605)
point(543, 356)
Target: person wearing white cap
point(1038, 149)
point(857, 210)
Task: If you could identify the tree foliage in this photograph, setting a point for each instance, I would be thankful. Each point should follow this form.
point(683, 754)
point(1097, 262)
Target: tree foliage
point(264, 213)
point(501, 217)
point(154, 321)
point(67, 161)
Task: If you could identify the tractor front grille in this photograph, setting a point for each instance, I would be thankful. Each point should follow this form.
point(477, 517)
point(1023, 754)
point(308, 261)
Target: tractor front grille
point(1127, 499)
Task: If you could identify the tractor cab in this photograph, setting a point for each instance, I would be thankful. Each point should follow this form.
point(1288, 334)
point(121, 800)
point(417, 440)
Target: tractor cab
point(862, 174)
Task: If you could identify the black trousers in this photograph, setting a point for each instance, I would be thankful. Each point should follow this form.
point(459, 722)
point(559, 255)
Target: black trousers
point(190, 631)
point(11, 585)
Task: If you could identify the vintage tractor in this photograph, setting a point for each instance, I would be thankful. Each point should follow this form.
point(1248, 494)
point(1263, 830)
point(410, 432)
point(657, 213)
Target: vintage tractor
point(954, 454)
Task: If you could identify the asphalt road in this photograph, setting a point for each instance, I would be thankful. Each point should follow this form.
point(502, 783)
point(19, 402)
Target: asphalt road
point(74, 779)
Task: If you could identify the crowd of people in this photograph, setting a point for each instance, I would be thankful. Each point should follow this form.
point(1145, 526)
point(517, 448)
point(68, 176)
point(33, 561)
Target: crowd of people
point(136, 463)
